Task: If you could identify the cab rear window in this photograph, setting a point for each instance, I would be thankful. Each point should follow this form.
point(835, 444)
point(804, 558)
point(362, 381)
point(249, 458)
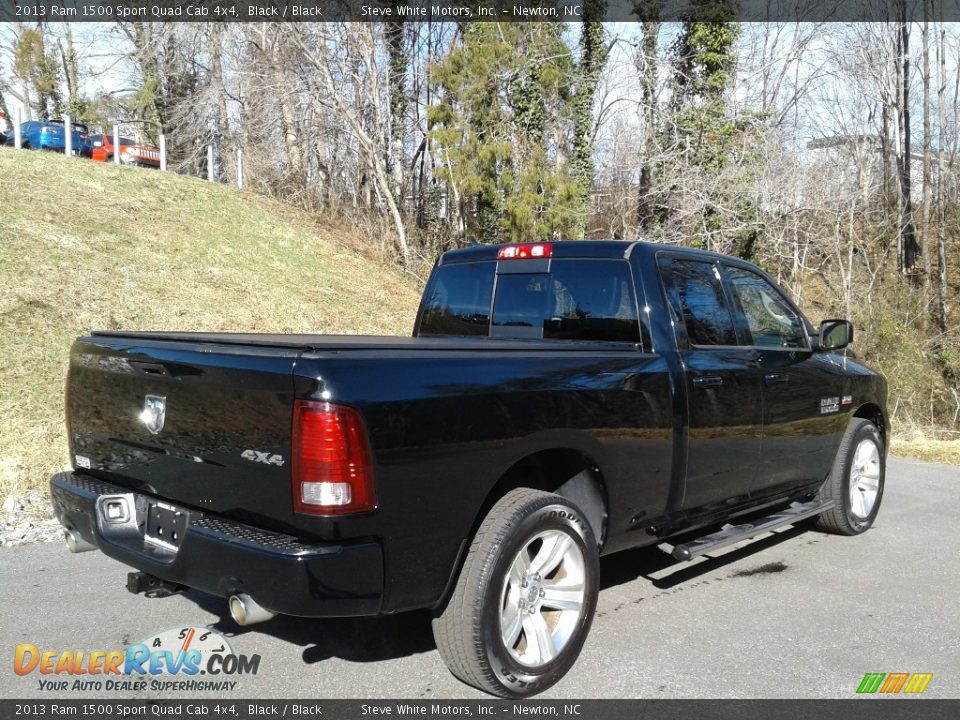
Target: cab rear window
point(457, 300)
point(579, 299)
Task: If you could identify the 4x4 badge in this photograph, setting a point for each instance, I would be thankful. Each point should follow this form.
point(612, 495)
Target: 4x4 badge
point(154, 412)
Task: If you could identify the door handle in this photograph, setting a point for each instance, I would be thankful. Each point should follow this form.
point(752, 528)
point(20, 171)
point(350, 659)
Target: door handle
point(774, 378)
point(708, 381)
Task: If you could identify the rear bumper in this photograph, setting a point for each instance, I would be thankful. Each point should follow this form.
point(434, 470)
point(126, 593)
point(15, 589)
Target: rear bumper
point(224, 557)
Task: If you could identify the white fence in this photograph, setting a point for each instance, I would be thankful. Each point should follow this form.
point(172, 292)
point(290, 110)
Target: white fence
point(68, 147)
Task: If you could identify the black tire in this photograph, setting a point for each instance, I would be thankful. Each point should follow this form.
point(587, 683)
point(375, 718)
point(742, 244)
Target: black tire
point(844, 518)
point(469, 631)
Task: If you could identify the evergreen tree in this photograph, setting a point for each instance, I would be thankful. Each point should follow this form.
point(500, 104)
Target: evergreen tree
point(592, 58)
point(33, 62)
point(502, 127)
point(712, 145)
point(703, 70)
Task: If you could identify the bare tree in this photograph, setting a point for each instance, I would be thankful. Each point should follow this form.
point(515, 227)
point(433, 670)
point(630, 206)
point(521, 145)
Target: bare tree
point(941, 282)
point(927, 135)
point(345, 60)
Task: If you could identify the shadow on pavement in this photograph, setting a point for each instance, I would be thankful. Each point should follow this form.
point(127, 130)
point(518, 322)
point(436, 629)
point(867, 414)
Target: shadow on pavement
point(356, 639)
point(373, 639)
point(627, 566)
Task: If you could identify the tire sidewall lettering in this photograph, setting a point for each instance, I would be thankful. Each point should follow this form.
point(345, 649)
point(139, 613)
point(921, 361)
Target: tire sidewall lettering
point(570, 515)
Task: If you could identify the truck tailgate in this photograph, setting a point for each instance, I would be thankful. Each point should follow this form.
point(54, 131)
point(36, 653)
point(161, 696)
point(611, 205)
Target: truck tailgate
point(202, 424)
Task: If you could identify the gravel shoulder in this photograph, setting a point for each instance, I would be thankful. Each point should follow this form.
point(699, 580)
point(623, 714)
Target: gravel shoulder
point(28, 519)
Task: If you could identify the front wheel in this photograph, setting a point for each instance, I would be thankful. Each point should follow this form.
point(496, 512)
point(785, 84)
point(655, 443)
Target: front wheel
point(856, 481)
point(525, 598)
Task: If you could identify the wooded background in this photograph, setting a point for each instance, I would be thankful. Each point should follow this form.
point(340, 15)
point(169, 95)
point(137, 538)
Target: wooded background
point(824, 152)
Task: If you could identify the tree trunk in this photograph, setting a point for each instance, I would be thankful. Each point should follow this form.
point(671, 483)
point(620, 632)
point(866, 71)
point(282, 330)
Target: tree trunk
point(648, 81)
point(218, 123)
point(885, 151)
point(927, 180)
point(273, 55)
point(588, 74)
point(68, 59)
point(941, 284)
point(399, 100)
point(908, 233)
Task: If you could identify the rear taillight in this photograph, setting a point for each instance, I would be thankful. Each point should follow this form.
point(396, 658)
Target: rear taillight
point(332, 466)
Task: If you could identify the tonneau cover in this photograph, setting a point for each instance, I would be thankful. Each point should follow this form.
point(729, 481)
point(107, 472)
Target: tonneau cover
point(358, 342)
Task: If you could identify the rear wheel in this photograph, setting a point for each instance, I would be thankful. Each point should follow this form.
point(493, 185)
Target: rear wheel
point(856, 481)
point(525, 598)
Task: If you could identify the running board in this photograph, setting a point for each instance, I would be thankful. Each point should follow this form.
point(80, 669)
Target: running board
point(736, 533)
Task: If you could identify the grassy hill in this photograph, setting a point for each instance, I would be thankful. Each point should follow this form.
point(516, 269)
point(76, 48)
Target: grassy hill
point(85, 245)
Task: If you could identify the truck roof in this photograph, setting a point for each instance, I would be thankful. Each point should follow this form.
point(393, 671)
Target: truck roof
point(568, 249)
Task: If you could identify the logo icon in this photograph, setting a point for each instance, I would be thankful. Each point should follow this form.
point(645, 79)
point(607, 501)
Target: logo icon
point(262, 457)
point(174, 659)
point(154, 413)
point(894, 683)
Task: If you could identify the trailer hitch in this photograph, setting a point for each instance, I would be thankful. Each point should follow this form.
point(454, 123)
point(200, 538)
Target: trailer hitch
point(151, 586)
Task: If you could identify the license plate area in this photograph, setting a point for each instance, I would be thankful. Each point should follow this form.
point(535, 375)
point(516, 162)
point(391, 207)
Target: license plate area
point(165, 526)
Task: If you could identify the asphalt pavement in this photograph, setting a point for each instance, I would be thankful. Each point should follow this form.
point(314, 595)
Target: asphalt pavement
point(791, 614)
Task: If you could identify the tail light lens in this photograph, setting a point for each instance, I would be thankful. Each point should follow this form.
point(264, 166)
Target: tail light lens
point(332, 466)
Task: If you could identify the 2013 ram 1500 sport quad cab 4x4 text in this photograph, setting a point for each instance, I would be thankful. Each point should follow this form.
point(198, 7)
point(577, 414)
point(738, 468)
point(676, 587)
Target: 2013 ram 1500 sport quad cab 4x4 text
point(556, 402)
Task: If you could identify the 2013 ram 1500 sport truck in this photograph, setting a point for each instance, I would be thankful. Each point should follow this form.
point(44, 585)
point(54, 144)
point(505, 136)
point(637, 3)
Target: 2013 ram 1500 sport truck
point(556, 402)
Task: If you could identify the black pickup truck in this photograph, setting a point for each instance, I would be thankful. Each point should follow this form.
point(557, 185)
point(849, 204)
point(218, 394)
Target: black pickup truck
point(557, 402)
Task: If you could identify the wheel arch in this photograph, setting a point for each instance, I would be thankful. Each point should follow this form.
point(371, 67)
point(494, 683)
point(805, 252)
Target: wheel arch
point(874, 413)
point(565, 471)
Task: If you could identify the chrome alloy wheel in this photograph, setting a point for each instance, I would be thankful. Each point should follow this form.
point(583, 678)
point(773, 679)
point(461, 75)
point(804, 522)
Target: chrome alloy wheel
point(864, 479)
point(542, 598)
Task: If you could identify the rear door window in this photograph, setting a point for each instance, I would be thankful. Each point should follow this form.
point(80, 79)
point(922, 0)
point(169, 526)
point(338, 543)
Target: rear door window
point(696, 294)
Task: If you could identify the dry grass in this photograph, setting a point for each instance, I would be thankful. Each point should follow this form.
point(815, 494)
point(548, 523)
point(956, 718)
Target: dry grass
point(923, 448)
point(85, 245)
point(894, 336)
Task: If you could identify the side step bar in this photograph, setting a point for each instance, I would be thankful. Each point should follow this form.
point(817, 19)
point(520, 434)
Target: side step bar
point(736, 533)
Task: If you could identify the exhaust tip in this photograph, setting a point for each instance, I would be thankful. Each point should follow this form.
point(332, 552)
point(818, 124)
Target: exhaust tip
point(246, 611)
point(75, 543)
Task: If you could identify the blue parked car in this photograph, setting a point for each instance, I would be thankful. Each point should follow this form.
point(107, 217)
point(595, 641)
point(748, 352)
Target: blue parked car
point(50, 135)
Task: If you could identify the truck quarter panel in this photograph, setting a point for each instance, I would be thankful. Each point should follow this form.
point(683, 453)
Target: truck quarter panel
point(444, 430)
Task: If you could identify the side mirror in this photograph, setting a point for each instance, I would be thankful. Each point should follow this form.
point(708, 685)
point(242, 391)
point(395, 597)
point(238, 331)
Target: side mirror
point(835, 334)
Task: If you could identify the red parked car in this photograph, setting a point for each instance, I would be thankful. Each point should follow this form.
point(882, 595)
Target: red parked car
point(131, 152)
